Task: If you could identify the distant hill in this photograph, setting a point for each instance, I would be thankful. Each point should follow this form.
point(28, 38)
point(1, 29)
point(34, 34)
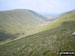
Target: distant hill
point(56, 37)
point(15, 23)
point(37, 14)
point(67, 12)
point(50, 18)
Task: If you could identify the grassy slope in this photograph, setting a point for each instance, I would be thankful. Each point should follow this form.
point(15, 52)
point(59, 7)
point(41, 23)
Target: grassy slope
point(47, 43)
point(17, 23)
point(69, 16)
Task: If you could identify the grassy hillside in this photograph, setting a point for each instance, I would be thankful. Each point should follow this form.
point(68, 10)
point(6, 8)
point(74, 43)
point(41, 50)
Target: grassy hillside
point(41, 16)
point(57, 38)
point(66, 17)
point(15, 23)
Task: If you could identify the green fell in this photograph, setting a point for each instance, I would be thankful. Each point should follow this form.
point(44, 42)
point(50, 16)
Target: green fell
point(17, 23)
point(57, 37)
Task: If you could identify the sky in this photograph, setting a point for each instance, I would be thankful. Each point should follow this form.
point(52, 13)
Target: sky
point(40, 6)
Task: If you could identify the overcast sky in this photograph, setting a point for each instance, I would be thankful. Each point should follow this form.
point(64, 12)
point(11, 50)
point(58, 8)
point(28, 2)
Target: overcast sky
point(46, 6)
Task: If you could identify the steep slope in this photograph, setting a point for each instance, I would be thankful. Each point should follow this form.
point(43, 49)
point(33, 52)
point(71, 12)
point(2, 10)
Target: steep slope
point(18, 22)
point(47, 43)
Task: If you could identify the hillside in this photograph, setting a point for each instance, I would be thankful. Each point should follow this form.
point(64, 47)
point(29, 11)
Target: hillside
point(19, 22)
point(57, 37)
point(37, 14)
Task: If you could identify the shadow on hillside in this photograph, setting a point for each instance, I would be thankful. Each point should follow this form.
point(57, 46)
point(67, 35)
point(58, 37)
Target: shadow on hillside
point(6, 36)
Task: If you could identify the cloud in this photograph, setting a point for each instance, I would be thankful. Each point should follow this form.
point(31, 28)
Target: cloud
point(51, 6)
point(48, 5)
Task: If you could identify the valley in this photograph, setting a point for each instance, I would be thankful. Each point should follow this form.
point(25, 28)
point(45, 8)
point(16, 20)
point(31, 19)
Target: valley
point(47, 38)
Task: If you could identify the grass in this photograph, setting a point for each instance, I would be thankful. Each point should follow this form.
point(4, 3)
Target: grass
point(18, 23)
point(60, 20)
point(46, 43)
